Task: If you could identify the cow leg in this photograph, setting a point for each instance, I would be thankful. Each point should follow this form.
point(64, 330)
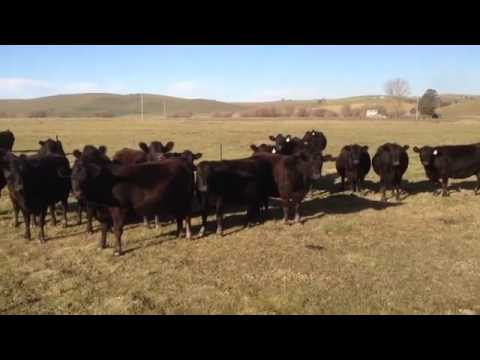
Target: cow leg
point(397, 186)
point(285, 207)
point(188, 226)
point(219, 215)
point(445, 185)
point(41, 235)
point(383, 190)
point(157, 222)
point(478, 184)
point(90, 212)
point(204, 209)
point(26, 219)
point(118, 216)
point(103, 238)
point(297, 214)
point(79, 213)
point(65, 212)
point(16, 210)
point(265, 204)
point(342, 188)
point(180, 232)
point(52, 214)
point(146, 223)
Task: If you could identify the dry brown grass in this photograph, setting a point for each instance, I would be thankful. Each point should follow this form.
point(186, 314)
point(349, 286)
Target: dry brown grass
point(352, 255)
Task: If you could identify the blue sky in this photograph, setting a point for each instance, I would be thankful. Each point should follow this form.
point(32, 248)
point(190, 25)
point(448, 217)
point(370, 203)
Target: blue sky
point(236, 73)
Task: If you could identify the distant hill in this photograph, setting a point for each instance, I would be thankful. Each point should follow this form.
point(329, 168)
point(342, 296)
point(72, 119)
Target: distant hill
point(110, 104)
point(106, 105)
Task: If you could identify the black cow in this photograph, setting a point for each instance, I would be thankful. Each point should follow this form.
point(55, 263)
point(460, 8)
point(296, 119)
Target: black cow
point(92, 155)
point(354, 164)
point(450, 161)
point(35, 184)
point(146, 189)
point(315, 139)
point(291, 177)
point(390, 163)
point(7, 139)
point(48, 147)
point(153, 152)
point(231, 182)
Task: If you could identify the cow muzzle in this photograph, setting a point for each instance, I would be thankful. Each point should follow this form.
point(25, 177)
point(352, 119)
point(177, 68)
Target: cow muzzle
point(356, 162)
point(396, 163)
point(426, 163)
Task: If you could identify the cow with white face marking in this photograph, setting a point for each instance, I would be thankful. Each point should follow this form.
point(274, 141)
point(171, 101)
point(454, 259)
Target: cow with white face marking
point(450, 161)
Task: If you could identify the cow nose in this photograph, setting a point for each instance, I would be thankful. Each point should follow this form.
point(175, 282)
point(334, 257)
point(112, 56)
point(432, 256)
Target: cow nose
point(316, 176)
point(396, 163)
point(77, 194)
point(425, 163)
point(356, 162)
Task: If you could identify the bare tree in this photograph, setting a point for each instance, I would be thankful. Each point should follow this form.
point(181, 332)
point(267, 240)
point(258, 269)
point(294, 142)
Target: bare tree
point(398, 89)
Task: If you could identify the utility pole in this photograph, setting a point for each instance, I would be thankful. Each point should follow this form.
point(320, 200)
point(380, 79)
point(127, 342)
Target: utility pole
point(141, 104)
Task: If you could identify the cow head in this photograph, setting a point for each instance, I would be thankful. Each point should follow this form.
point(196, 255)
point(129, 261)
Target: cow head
point(88, 165)
point(280, 141)
point(396, 152)
point(15, 170)
point(50, 146)
point(156, 149)
point(427, 154)
point(316, 139)
point(354, 153)
point(313, 163)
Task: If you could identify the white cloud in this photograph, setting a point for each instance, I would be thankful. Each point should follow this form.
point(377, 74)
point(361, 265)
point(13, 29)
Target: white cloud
point(22, 87)
point(18, 88)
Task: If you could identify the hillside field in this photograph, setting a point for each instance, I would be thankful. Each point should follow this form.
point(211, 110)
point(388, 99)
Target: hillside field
point(353, 254)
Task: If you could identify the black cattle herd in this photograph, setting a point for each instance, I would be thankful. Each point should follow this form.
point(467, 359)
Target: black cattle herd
point(154, 182)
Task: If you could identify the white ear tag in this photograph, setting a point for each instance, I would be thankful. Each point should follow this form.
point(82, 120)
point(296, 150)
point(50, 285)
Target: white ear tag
point(313, 132)
point(435, 152)
point(288, 139)
point(274, 151)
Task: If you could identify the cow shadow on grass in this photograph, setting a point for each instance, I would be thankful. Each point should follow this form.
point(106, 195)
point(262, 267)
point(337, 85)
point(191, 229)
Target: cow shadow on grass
point(342, 204)
point(426, 186)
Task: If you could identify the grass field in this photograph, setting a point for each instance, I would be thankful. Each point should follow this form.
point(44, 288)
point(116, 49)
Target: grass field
point(353, 255)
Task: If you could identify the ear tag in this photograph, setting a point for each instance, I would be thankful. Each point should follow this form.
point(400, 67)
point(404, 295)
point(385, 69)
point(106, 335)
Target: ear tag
point(288, 139)
point(435, 152)
point(274, 151)
point(313, 132)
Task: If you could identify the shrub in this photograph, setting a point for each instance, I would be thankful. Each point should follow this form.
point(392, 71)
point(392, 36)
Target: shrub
point(220, 114)
point(38, 114)
point(261, 112)
point(184, 114)
point(323, 113)
point(346, 111)
point(105, 114)
point(302, 112)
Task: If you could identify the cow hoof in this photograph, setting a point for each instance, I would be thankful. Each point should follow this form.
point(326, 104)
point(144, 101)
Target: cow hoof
point(117, 253)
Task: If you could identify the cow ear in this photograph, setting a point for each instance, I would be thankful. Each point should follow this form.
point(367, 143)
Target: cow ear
point(416, 149)
point(144, 147)
point(102, 149)
point(41, 143)
point(271, 138)
point(254, 147)
point(406, 147)
point(77, 154)
point(169, 146)
point(197, 156)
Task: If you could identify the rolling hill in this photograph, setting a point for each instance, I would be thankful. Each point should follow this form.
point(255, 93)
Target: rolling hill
point(109, 105)
point(116, 105)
